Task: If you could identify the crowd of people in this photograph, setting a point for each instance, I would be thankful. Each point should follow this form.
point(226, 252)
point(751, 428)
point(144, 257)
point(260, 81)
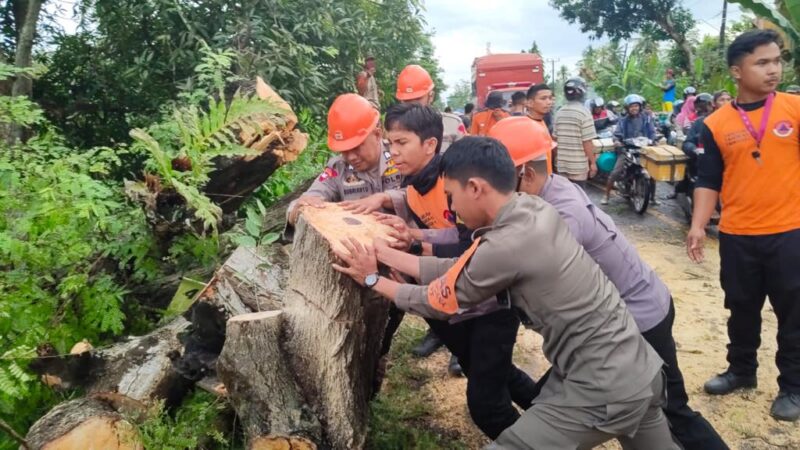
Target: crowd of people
point(492, 229)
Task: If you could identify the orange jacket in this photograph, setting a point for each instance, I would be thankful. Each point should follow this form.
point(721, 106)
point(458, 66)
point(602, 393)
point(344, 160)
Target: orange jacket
point(483, 121)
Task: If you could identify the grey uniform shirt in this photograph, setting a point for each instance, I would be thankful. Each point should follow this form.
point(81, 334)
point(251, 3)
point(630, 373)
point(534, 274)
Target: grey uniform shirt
point(598, 355)
point(646, 296)
point(339, 181)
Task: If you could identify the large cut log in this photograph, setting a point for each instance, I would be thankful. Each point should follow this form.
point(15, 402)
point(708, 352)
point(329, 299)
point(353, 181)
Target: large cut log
point(83, 424)
point(251, 279)
point(260, 385)
point(140, 368)
point(333, 327)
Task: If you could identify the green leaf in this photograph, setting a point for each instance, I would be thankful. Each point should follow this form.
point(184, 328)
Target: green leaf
point(767, 11)
point(245, 241)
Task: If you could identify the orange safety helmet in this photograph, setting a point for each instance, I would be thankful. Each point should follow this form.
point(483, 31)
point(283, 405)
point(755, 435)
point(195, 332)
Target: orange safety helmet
point(413, 83)
point(351, 119)
point(525, 139)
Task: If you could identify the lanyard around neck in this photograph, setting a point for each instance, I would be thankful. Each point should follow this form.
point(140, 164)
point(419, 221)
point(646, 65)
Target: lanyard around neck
point(759, 136)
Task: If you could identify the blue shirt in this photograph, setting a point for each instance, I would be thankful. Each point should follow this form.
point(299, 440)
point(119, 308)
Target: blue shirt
point(669, 94)
point(645, 295)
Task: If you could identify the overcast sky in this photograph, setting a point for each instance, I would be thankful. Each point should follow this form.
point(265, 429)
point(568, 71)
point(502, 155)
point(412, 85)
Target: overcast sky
point(463, 27)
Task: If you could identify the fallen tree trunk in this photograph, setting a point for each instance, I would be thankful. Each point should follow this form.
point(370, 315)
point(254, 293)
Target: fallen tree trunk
point(84, 423)
point(140, 368)
point(269, 133)
point(334, 327)
point(251, 279)
point(259, 383)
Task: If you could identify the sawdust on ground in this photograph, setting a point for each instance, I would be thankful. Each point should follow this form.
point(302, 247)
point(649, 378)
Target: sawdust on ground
point(742, 418)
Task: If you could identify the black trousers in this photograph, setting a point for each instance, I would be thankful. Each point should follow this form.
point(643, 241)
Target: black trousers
point(690, 428)
point(484, 347)
point(753, 268)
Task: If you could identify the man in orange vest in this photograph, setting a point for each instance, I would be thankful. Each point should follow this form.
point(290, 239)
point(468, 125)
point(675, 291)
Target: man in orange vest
point(483, 121)
point(484, 336)
point(367, 85)
point(751, 162)
point(415, 85)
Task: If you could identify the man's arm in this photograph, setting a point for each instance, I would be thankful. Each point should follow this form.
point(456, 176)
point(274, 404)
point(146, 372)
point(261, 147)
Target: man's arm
point(366, 205)
point(323, 189)
point(710, 168)
point(488, 272)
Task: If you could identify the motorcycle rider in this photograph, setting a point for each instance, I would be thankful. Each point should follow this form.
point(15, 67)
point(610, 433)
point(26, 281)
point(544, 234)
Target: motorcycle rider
point(601, 116)
point(704, 105)
point(634, 124)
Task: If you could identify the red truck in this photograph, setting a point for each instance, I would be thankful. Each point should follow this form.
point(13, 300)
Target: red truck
point(505, 72)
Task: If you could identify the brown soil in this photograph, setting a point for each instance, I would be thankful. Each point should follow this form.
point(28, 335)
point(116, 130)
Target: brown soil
point(741, 418)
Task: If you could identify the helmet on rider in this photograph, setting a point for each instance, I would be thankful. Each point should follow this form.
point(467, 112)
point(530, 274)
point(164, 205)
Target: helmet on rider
point(597, 102)
point(575, 89)
point(704, 103)
point(351, 119)
point(690, 90)
point(633, 99)
point(413, 82)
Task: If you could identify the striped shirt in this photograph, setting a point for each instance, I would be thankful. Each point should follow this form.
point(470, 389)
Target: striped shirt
point(573, 126)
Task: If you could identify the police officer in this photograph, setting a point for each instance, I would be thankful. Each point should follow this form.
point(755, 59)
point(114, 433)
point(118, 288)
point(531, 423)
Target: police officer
point(415, 85)
point(362, 167)
point(606, 379)
point(645, 295)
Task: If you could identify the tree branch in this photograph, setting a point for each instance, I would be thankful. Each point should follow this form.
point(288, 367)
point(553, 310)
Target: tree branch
point(11, 432)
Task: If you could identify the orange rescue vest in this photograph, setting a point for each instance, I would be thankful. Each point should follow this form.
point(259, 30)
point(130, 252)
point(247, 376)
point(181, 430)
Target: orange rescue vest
point(431, 208)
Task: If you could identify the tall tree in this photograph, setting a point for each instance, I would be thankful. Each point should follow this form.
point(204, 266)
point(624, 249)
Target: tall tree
point(664, 19)
point(462, 93)
point(535, 49)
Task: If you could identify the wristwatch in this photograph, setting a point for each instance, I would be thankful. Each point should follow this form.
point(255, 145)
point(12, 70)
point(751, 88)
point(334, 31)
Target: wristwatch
point(371, 280)
point(416, 248)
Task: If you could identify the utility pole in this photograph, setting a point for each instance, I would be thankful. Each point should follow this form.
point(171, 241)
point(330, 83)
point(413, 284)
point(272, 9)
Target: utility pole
point(553, 62)
point(722, 26)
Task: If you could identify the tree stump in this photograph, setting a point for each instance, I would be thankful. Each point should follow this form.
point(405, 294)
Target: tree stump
point(334, 327)
point(81, 424)
point(260, 385)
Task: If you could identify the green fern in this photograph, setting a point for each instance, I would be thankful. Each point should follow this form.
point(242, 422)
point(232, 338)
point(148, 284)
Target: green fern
point(202, 136)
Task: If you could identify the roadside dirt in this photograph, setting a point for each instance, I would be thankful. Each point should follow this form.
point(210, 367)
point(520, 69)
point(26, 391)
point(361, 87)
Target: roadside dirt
point(741, 418)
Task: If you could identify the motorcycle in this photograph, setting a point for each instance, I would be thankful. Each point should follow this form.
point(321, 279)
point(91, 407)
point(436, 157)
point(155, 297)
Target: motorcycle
point(684, 191)
point(636, 184)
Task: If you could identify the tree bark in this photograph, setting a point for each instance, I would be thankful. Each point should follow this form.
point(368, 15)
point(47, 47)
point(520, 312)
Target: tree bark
point(140, 368)
point(334, 327)
point(260, 385)
point(81, 424)
point(26, 32)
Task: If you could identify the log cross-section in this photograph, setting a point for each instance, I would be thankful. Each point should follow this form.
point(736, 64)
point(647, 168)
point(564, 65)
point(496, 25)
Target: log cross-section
point(334, 327)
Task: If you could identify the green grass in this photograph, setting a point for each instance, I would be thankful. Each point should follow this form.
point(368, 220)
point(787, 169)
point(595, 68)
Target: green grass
point(399, 415)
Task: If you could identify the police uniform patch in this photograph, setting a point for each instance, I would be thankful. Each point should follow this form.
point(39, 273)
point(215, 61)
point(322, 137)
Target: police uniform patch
point(328, 173)
point(390, 168)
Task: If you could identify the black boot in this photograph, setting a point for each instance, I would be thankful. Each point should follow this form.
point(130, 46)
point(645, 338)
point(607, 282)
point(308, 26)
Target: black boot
point(786, 407)
point(429, 344)
point(454, 368)
point(727, 382)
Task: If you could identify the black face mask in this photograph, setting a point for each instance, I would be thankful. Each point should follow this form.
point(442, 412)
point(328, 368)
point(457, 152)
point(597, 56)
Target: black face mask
point(426, 179)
